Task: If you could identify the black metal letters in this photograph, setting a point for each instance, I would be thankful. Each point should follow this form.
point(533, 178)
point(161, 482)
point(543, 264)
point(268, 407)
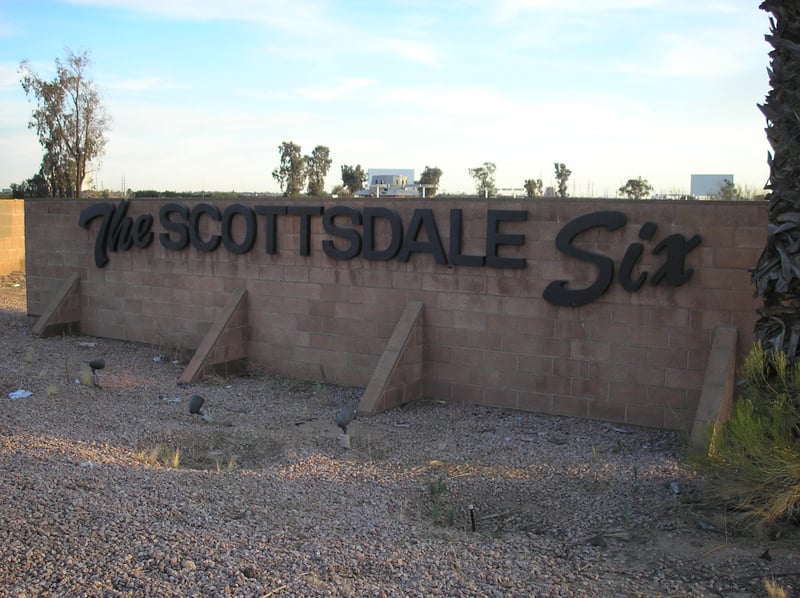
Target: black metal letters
point(352, 233)
point(672, 271)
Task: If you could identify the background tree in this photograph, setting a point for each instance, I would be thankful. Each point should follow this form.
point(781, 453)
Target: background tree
point(353, 178)
point(431, 176)
point(777, 272)
point(729, 192)
point(36, 186)
point(484, 179)
point(637, 188)
point(340, 191)
point(69, 120)
point(533, 187)
point(562, 176)
point(291, 174)
point(317, 166)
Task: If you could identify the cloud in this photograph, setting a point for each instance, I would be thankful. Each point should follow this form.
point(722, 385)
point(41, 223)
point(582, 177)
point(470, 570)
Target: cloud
point(299, 16)
point(7, 29)
point(506, 10)
point(412, 50)
point(141, 84)
point(706, 56)
point(341, 89)
point(9, 77)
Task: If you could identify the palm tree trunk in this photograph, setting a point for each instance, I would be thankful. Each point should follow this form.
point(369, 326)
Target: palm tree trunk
point(777, 273)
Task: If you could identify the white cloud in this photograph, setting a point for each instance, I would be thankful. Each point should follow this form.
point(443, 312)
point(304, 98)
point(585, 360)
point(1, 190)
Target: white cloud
point(709, 57)
point(341, 89)
point(300, 16)
point(506, 10)
point(9, 77)
point(412, 50)
point(140, 84)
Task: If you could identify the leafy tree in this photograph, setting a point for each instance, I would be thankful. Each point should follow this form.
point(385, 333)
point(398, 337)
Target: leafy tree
point(777, 273)
point(353, 177)
point(69, 120)
point(562, 176)
point(430, 176)
point(340, 190)
point(729, 192)
point(317, 166)
point(291, 174)
point(34, 187)
point(637, 188)
point(484, 179)
point(533, 187)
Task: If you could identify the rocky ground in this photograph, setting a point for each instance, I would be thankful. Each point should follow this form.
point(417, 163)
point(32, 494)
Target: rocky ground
point(116, 490)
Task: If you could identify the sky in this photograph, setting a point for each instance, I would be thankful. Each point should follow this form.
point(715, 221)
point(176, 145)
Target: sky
point(201, 93)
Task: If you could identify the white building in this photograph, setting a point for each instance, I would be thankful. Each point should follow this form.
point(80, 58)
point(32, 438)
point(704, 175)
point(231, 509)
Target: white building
point(708, 185)
point(389, 182)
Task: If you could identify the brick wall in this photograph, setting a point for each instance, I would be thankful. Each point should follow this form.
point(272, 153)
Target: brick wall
point(489, 336)
point(12, 236)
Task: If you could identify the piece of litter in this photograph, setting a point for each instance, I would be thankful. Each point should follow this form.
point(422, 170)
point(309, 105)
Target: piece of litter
point(19, 394)
point(175, 362)
point(620, 430)
point(171, 399)
point(87, 464)
point(87, 344)
point(158, 358)
point(77, 381)
point(674, 488)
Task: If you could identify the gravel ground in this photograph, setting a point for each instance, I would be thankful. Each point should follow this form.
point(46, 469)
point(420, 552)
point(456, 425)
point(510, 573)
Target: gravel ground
point(264, 501)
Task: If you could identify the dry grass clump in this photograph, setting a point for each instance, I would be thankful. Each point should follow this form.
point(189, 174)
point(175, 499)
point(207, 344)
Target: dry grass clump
point(754, 464)
point(774, 590)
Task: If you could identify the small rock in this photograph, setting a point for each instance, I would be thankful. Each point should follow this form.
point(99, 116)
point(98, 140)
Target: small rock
point(597, 540)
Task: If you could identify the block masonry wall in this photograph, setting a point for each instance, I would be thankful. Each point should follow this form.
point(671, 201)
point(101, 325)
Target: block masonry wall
point(489, 336)
point(12, 236)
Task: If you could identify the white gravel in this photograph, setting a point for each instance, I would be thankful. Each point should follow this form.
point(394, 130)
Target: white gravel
point(265, 502)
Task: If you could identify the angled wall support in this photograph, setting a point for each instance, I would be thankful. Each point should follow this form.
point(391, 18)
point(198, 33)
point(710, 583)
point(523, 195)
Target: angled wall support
point(398, 377)
point(63, 313)
point(716, 397)
point(224, 348)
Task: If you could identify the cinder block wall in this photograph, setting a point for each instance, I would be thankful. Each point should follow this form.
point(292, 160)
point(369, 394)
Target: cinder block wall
point(12, 236)
point(490, 337)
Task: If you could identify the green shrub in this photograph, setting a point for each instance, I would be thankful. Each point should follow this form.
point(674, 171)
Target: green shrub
point(754, 464)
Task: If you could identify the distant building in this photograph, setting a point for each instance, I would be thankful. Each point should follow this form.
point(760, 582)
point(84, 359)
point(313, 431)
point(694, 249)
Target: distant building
point(389, 182)
point(708, 185)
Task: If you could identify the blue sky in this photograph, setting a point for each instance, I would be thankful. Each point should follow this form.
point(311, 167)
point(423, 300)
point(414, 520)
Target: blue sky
point(201, 92)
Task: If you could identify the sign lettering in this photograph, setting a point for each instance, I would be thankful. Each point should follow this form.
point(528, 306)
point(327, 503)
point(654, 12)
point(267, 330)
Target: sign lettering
point(352, 233)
